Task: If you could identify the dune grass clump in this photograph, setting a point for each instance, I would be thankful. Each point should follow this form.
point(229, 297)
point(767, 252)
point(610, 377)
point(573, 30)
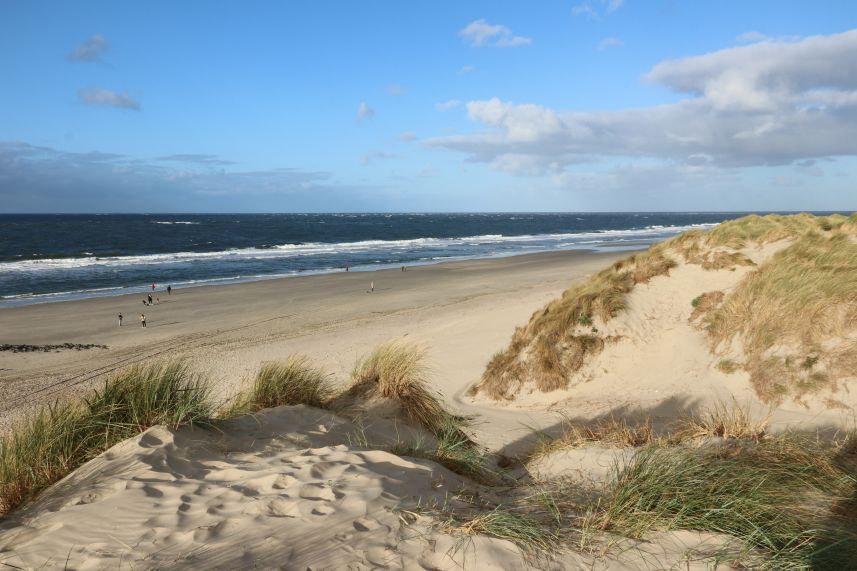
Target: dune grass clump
point(703, 304)
point(789, 309)
point(740, 232)
point(290, 382)
point(454, 450)
point(785, 496)
point(694, 248)
point(396, 370)
point(613, 432)
point(529, 535)
point(727, 366)
point(58, 438)
point(725, 420)
point(560, 337)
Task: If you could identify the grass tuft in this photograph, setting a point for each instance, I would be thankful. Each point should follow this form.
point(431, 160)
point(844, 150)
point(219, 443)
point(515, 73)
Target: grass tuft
point(553, 346)
point(57, 439)
point(527, 534)
point(727, 366)
point(609, 432)
point(290, 382)
point(791, 306)
point(704, 304)
point(725, 420)
point(396, 370)
point(784, 496)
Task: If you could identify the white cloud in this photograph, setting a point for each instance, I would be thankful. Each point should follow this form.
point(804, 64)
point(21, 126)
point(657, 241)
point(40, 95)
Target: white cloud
point(613, 5)
point(396, 90)
point(595, 11)
point(51, 180)
point(466, 69)
point(371, 156)
point(364, 112)
point(607, 43)
point(99, 97)
point(480, 33)
point(763, 104)
point(751, 37)
point(447, 105)
point(90, 50)
point(198, 159)
point(408, 136)
point(427, 171)
point(584, 9)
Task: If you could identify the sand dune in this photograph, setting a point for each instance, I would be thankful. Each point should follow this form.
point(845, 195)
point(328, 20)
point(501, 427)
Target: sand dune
point(281, 490)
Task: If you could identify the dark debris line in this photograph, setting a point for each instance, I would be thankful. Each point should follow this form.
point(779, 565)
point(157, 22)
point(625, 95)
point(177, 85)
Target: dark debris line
point(48, 348)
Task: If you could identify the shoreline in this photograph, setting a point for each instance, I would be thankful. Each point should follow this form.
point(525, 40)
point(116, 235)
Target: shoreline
point(20, 300)
point(462, 311)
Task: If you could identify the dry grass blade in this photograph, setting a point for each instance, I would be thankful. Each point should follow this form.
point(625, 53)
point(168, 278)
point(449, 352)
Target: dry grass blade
point(561, 337)
point(787, 310)
point(725, 420)
point(396, 370)
point(57, 439)
point(290, 382)
point(784, 496)
point(613, 432)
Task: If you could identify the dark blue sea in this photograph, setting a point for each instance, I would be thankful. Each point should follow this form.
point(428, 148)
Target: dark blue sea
point(58, 257)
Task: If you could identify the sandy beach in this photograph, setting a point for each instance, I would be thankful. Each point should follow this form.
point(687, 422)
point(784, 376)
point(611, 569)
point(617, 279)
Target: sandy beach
point(463, 312)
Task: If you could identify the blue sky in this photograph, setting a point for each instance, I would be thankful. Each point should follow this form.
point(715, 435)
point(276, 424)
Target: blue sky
point(441, 106)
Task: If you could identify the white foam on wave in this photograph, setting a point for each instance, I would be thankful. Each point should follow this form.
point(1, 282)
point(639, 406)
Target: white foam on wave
point(283, 251)
point(175, 222)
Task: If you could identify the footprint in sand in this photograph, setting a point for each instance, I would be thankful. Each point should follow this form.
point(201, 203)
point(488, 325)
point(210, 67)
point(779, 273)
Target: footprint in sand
point(282, 507)
point(323, 510)
point(366, 524)
point(284, 481)
point(328, 470)
point(317, 492)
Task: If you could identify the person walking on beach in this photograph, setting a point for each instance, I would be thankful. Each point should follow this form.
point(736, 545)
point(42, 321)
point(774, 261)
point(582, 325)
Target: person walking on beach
point(153, 286)
point(120, 320)
point(346, 267)
point(143, 320)
point(150, 299)
point(371, 287)
point(169, 290)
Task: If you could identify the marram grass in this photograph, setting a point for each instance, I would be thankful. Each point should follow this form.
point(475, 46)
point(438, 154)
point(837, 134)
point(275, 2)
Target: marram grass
point(57, 439)
point(785, 496)
point(396, 370)
point(291, 382)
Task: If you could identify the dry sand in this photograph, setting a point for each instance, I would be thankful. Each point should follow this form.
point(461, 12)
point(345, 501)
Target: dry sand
point(462, 312)
point(281, 490)
point(287, 489)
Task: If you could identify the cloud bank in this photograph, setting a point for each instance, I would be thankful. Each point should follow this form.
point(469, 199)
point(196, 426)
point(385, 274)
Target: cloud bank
point(35, 178)
point(769, 103)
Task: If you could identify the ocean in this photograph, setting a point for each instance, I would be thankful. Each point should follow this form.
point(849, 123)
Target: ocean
point(58, 257)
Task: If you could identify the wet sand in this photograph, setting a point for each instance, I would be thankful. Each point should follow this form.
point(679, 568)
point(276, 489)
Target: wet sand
point(462, 312)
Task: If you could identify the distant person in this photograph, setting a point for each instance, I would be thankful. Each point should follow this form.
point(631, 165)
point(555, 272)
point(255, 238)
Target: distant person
point(371, 287)
point(403, 268)
point(143, 319)
point(145, 302)
point(153, 286)
point(120, 320)
point(150, 299)
point(157, 300)
point(169, 290)
point(346, 267)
